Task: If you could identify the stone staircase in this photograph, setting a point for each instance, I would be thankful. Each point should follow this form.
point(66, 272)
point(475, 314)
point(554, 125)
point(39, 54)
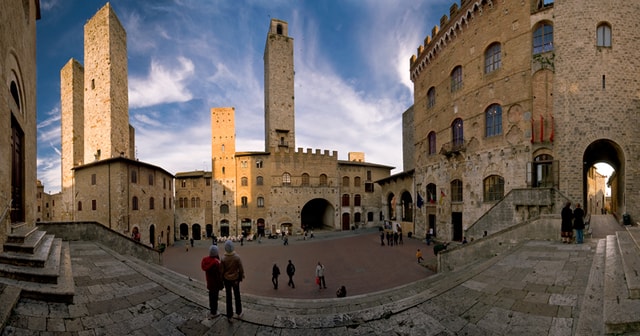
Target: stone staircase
point(612, 298)
point(36, 263)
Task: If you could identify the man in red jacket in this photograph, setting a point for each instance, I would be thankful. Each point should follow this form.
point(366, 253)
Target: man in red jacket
point(213, 272)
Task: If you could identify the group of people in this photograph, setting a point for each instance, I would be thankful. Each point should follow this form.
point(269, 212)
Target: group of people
point(275, 273)
point(394, 238)
point(572, 220)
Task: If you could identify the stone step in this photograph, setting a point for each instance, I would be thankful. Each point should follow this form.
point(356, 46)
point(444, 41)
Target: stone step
point(48, 273)
point(630, 257)
point(19, 232)
point(9, 296)
point(591, 321)
point(620, 312)
point(63, 290)
point(28, 244)
point(36, 259)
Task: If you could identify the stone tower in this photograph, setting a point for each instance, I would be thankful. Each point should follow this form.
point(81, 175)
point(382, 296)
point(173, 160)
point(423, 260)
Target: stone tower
point(72, 123)
point(278, 88)
point(106, 97)
point(223, 165)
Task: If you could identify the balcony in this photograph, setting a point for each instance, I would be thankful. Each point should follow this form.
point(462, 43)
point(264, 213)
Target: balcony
point(455, 147)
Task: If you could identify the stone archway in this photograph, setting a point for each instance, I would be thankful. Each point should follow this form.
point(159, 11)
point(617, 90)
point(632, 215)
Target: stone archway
point(609, 152)
point(318, 213)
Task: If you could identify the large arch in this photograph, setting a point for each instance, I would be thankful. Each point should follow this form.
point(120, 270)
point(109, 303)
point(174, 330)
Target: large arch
point(318, 213)
point(607, 151)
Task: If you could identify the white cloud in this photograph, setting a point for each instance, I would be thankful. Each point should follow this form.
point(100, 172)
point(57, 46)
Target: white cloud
point(163, 84)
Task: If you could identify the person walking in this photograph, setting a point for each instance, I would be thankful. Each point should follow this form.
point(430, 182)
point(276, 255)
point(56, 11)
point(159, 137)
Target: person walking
point(419, 256)
point(578, 223)
point(232, 273)
point(275, 273)
point(320, 276)
point(381, 238)
point(291, 270)
point(213, 274)
point(566, 226)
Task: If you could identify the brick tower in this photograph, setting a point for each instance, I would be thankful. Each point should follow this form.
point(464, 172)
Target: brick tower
point(279, 120)
point(223, 167)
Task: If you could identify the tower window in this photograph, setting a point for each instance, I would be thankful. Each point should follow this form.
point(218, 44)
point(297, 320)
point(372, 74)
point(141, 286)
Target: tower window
point(279, 29)
point(604, 35)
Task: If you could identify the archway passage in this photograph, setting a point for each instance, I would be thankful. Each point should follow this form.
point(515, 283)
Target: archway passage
point(604, 151)
point(317, 214)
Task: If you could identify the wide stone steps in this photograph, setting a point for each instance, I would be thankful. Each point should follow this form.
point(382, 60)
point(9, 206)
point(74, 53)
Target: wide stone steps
point(621, 311)
point(37, 263)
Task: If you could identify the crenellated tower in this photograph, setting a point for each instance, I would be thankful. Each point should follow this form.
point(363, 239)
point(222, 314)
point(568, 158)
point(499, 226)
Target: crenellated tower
point(279, 108)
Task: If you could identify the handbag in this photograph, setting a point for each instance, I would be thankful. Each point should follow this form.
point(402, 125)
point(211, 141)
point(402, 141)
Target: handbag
point(317, 280)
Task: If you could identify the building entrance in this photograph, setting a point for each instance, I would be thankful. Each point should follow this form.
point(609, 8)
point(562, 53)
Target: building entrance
point(317, 214)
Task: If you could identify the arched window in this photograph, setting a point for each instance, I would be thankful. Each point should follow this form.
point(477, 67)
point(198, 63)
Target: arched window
point(456, 191)
point(357, 181)
point(259, 180)
point(244, 181)
point(134, 176)
point(543, 38)
point(193, 202)
point(245, 201)
point(432, 143)
point(323, 180)
point(79, 206)
point(457, 132)
point(134, 203)
point(224, 209)
point(493, 188)
point(305, 180)
point(345, 181)
point(260, 202)
point(345, 200)
point(197, 202)
point(431, 97)
point(493, 118)
point(152, 203)
point(492, 58)
point(603, 33)
point(150, 179)
point(432, 197)
point(456, 78)
point(357, 200)
point(286, 179)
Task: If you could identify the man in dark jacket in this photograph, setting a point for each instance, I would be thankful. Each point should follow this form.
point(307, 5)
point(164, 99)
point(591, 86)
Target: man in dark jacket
point(291, 270)
point(213, 272)
point(566, 226)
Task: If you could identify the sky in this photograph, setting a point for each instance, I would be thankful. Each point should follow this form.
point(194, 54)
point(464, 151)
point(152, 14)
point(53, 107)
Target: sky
point(351, 62)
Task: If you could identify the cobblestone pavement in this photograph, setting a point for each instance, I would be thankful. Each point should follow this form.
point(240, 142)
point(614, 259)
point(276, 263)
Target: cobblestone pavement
point(537, 289)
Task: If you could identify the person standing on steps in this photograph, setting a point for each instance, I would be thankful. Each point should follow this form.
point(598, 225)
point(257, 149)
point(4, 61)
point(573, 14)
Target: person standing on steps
point(291, 270)
point(566, 226)
point(275, 273)
point(232, 273)
point(213, 274)
point(320, 276)
point(578, 223)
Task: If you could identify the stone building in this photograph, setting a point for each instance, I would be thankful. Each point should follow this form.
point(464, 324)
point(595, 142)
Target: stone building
point(18, 115)
point(515, 98)
point(102, 180)
point(281, 188)
point(193, 205)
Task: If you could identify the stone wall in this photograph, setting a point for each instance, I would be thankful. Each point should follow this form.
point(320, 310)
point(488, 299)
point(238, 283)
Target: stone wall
point(93, 231)
point(546, 227)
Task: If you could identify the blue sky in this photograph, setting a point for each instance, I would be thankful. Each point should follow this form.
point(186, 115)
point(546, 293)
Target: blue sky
point(186, 56)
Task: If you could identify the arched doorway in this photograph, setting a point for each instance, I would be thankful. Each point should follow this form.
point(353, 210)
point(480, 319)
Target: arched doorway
point(407, 207)
point(346, 221)
point(604, 151)
point(391, 204)
point(196, 231)
point(184, 231)
point(317, 214)
point(209, 229)
point(152, 235)
point(224, 228)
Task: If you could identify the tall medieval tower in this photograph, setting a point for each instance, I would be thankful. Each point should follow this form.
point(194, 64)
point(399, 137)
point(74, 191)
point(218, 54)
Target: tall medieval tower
point(279, 120)
point(106, 97)
point(223, 165)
